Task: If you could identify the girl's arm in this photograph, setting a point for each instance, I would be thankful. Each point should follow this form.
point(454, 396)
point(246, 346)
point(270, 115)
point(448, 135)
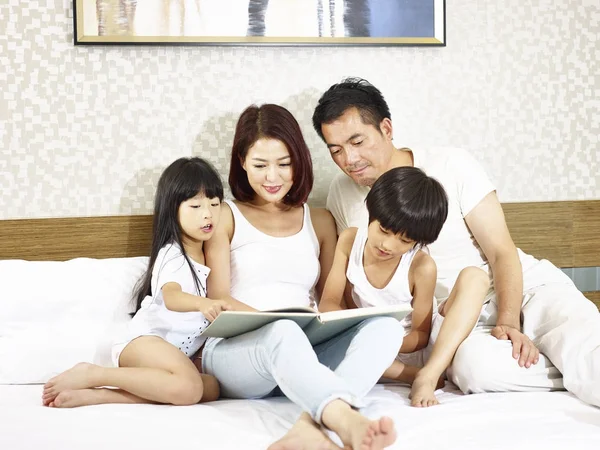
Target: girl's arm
point(333, 298)
point(217, 252)
point(325, 230)
point(179, 301)
point(423, 275)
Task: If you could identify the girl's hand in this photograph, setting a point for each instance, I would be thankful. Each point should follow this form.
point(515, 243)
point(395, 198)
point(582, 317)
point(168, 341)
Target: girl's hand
point(215, 308)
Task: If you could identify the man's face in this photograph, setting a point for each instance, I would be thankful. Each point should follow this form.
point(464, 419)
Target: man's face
point(362, 151)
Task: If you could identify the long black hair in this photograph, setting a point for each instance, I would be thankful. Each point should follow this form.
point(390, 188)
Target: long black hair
point(183, 179)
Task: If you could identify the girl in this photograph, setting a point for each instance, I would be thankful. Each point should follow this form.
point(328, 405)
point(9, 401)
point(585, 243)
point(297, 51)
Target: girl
point(153, 361)
point(386, 263)
point(271, 251)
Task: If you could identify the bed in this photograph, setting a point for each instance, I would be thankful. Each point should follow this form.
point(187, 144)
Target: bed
point(42, 333)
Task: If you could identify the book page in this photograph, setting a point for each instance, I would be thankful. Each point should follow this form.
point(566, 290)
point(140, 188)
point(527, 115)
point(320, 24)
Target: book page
point(363, 312)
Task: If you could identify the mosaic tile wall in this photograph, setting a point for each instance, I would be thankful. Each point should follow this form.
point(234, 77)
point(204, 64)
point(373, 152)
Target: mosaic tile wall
point(87, 130)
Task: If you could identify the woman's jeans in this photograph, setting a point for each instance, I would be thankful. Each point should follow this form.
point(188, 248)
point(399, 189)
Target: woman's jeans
point(346, 367)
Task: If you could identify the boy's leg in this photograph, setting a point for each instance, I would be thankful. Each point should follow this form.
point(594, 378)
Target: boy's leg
point(461, 311)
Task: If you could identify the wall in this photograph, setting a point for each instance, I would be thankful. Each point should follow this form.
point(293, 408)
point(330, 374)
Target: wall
point(87, 130)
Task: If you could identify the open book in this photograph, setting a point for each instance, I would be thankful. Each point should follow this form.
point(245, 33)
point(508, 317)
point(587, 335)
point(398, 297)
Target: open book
point(318, 327)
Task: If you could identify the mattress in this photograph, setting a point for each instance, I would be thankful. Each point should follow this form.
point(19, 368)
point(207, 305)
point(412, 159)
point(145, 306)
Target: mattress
point(556, 420)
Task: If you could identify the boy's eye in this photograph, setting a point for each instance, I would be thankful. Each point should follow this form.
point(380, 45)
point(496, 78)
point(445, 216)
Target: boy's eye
point(215, 204)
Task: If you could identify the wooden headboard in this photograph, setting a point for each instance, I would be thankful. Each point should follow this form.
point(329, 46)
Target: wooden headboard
point(567, 233)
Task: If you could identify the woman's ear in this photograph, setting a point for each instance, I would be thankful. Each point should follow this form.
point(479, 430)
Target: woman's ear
point(243, 163)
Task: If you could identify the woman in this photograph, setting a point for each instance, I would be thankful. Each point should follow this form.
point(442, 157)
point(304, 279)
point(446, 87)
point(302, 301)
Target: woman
point(270, 251)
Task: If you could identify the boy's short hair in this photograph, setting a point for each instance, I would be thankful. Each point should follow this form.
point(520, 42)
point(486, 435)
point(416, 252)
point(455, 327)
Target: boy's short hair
point(406, 201)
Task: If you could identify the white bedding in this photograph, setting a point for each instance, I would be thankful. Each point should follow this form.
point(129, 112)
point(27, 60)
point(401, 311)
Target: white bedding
point(484, 421)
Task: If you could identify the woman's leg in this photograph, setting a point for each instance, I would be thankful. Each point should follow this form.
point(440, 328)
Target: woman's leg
point(152, 370)
point(361, 355)
point(279, 354)
point(460, 312)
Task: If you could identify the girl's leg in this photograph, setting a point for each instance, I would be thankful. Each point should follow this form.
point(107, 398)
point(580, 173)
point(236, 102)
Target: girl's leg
point(151, 369)
point(279, 354)
point(461, 312)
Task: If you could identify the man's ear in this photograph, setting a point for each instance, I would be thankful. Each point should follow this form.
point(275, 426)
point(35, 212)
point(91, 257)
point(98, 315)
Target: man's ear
point(386, 129)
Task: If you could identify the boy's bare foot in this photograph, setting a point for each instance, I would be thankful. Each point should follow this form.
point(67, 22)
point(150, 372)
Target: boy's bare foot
point(356, 431)
point(422, 393)
point(304, 435)
point(79, 376)
point(79, 397)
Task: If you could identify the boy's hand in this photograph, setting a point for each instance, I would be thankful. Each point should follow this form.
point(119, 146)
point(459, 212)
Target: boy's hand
point(215, 308)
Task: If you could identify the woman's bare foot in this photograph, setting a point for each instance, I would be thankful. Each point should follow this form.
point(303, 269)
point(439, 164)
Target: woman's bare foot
point(357, 431)
point(304, 435)
point(422, 393)
point(79, 397)
point(80, 376)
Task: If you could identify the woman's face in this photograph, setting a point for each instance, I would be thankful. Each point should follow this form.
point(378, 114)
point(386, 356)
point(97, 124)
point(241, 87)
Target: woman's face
point(269, 168)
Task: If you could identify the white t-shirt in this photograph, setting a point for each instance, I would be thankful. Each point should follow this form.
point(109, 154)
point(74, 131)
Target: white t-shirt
point(466, 184)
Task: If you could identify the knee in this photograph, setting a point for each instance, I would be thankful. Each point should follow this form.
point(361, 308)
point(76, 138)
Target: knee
point(475, 277)
point(186, 390)
point(281, 334)
point(384, 329)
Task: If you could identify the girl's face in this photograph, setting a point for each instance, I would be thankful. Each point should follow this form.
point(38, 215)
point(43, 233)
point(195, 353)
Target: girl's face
point(385, 245)
point(198, 218)
point(269, 168)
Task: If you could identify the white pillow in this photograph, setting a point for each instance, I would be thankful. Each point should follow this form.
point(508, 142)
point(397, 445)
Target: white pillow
point(55, 314)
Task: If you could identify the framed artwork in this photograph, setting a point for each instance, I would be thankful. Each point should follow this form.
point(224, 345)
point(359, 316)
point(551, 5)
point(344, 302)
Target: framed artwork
point(260, 22)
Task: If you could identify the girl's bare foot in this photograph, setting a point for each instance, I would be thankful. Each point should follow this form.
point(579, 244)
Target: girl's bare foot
point(80, 397)
point(357, 431)
point(422, 393)
point(304, 435)
point(80, 376)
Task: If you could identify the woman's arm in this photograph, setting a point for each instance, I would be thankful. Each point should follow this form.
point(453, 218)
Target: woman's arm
point(324, 226)
point(422, 275)
point(217, 252)
point(333, 297)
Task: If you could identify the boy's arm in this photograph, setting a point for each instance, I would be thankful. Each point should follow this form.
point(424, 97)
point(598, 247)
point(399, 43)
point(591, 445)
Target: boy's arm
point(424, 275)
point(217, 251)
point(333, 298)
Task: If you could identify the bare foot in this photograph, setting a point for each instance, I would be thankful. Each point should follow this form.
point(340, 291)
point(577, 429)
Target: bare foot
point(79, 376)
point(304, 435)
point(80, 397)
point(422, 393)
point(357, 431)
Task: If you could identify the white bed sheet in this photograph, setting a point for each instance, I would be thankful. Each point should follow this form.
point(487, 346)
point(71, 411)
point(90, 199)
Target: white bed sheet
point(484, 421)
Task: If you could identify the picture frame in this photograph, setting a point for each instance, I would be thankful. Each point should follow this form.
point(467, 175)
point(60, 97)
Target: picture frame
point(260, 22)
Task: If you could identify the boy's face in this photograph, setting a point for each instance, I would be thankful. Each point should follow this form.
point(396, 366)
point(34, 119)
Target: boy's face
point(362, 151)
point(385, 245)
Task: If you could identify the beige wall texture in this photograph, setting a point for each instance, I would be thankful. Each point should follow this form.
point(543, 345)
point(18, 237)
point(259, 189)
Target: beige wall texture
point(86, 131)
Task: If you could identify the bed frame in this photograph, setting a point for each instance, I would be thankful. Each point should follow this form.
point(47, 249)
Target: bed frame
point(566, 232)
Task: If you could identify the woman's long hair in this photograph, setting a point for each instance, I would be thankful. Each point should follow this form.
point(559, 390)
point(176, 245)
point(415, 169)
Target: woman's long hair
point(183, 179)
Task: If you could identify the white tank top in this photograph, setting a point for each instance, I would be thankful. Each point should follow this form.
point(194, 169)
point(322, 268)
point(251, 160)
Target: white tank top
point(364, 294)
point(270, 272)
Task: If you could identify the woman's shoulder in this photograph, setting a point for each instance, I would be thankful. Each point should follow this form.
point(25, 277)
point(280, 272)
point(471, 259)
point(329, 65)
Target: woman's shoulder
point(322, 221)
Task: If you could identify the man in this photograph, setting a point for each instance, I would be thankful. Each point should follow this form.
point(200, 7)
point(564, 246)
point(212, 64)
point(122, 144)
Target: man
point(532, 305)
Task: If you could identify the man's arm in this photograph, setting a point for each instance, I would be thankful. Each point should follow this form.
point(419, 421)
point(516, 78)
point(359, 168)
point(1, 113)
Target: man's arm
point(488, 225)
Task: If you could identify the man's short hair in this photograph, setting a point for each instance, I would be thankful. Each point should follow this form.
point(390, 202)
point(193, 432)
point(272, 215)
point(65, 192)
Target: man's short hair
point(351, 93)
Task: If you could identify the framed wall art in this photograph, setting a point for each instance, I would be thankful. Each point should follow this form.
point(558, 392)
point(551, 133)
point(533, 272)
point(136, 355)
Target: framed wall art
point(260, 22)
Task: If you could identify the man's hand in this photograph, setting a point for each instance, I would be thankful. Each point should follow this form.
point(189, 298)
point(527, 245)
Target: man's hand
point(523, 348)
point(214, 308)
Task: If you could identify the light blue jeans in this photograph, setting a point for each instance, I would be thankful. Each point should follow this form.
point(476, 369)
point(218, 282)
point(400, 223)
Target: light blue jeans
point(279, 355)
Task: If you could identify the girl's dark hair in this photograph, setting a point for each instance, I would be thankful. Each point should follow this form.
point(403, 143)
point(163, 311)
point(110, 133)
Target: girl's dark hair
point(271, 122)
point(351, 93)
point(406, 201)
point(183, 179)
